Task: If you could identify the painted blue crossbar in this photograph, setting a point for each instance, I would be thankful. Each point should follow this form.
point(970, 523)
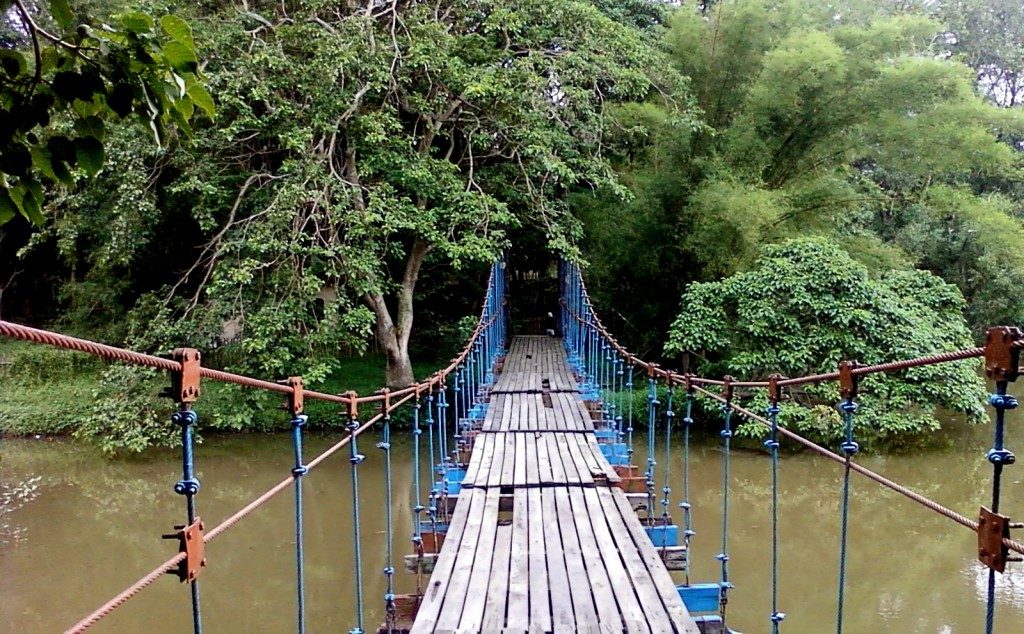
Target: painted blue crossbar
point(663, 535)
point(455, 477)
point(617, 453)
point(700, 597)
point(478, 411)
point(604, 434)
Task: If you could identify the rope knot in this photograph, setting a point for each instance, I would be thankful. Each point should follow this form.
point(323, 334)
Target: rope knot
point(384, 446)
point(774, 409)
point(722, 557)
point(771, 444)
point(778, 617)
point(848, 407)
point(726, 433)
point(850, 447)
point(300, 470)
point(389, 571)
point(357, 459)
point(687, 421)
point(300, 421)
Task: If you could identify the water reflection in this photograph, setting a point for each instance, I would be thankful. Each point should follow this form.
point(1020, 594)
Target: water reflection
point(77, 529)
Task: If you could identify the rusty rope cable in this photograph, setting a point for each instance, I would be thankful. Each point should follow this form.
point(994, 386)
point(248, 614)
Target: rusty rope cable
point(868, 473)
point(889, 366)
point(26, 333)
point(113, 353)
point(218, 530)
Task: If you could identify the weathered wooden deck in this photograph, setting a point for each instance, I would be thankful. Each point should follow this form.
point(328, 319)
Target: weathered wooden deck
point(570, 555)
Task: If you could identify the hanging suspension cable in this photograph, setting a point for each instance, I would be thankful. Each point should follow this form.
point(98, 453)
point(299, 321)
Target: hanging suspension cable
point(389, 569)
point(666, 489)
point(688, 531)
point(726, 433)
point(998, 456)
point(652, 415)
point(295, 406)
point(848, 389)
point(185, 392)
point(355, 459)
point(629, 422)
point(772, 443)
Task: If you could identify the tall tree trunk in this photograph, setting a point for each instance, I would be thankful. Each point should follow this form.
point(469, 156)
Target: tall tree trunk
point(393, 332)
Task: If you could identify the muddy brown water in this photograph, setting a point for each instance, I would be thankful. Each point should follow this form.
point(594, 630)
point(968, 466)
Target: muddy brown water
point(75, 529)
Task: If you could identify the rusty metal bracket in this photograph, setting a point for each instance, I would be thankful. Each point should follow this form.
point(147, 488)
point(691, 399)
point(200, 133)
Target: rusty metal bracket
point(191, 542)
point(652, 370)
point(1002, 356)
point(774, 391)
point(688, 383)
point(353, 405)
point(727, 387)
point(385, 404)
point(185, 383)
point(295, 400)
point(992, 528)
point(848, 382)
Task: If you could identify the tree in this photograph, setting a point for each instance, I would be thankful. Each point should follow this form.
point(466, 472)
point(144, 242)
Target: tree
point(988, 35)
point(804, 306)
point(830, 119)
point(353, 147)
point(63, 76)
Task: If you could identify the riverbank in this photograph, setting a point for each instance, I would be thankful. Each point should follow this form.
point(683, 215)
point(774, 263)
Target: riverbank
point(51, 392)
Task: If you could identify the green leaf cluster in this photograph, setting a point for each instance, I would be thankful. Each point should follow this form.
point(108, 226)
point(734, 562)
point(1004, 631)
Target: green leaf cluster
point(804, 306)
point(61, 88)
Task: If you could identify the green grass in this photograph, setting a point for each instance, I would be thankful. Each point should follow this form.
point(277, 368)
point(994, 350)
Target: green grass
point(49, 391)
point(45, 390)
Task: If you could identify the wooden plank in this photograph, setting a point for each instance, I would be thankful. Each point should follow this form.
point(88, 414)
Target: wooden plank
point(497, 588)
point(660, 576)
point(497, 462)
point(562, 615)
point(584, 609)
point(465, 560)
point(518, 610)
point(557, 465)
point(540, 601)
point(629, 596)
point(598, 574)
point(481, 575)
point(433, 596)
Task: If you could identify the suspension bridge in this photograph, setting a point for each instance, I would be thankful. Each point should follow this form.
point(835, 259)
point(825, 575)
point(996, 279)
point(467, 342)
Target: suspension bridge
point(529, 514)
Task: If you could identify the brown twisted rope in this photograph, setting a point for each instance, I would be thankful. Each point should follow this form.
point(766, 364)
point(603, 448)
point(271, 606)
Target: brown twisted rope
point(928, 503)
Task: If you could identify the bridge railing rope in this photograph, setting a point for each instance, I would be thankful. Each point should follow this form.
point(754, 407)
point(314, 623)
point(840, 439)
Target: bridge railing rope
point(473, 363)
point(584, 331)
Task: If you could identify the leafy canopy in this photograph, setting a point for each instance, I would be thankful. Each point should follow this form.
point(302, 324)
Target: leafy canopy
point(64, 77)
point(804, 306)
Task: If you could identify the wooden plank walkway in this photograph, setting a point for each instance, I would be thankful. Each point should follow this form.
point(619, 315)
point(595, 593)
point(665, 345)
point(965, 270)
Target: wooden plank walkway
point(571, 554)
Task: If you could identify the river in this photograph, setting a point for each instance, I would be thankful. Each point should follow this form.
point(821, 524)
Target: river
point(75, 529)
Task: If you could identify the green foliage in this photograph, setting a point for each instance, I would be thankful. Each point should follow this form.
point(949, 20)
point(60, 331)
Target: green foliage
point(61, 85)
point(849, 121)
point(805, 306)
point(45, 390)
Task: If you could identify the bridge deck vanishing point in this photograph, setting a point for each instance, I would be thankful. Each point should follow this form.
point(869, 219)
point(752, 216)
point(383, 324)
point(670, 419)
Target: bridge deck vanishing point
point(540, 539)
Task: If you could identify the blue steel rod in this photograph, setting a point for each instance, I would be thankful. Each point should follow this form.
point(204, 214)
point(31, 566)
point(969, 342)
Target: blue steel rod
point(998, 456)
point(355, 458)
point(298, 471)
point(189, 486)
